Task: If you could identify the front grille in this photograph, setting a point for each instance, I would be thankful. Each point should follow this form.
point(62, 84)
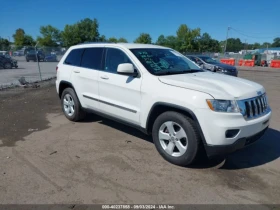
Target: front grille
point(254, 107)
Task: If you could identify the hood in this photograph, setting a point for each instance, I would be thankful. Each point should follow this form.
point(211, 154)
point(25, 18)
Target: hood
point(220, 86)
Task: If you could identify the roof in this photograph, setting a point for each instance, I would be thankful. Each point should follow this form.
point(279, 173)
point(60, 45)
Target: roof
point(125, 45)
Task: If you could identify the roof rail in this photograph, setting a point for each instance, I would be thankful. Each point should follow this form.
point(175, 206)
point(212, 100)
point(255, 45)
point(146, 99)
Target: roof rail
point(95, 43)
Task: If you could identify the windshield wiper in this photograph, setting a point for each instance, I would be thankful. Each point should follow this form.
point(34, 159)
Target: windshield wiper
point(167, 72)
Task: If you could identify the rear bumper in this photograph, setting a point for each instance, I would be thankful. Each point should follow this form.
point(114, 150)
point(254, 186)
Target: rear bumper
point(222, 150)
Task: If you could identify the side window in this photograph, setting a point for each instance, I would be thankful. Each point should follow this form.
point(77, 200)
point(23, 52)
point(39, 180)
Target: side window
point(114, 57)
point(74, 57)
point(92, 58)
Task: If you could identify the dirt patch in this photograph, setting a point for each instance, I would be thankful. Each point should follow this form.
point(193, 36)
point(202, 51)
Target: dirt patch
point(23, 111)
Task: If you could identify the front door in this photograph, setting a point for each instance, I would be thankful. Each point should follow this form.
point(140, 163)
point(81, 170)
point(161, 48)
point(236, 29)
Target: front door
point(119, 94)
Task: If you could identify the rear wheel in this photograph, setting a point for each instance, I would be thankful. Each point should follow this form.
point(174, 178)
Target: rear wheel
point(176, 138)
point(71, 106)
point(7, 65)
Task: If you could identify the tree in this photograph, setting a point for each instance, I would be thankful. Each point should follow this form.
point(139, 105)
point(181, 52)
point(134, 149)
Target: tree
point(113, 40)
point(188, 38)
point(70, 35)
point(276, 42)
point(88, 30)
point(102, 39)
point(266, 45)
point(122, 40)
point(256, 45)
point(207, 44)
point(234, 45)
point(29, 41)
point(50, 36)
point(161, 40)
point(85, 30)
point(144, 38)
point(19, 37)
point(4, 44)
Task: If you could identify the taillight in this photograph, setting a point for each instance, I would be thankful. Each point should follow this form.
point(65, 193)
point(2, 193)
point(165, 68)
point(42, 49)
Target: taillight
point(57, 68)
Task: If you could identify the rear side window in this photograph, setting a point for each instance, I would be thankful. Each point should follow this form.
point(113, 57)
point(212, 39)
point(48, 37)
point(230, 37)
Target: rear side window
point(74, 57)
point(92, 58)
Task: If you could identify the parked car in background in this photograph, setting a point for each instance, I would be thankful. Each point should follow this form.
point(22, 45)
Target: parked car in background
point(18, 53)
point(7, 62)
point(51, 58)
point(208, 63)
point(31, 55)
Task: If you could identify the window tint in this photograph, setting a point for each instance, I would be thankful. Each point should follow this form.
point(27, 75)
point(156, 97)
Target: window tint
point(114, 57)
point(92, 58)
point(74, 57)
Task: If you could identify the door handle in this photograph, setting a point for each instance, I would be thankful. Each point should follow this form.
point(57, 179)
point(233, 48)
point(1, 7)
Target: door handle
point(104, 77)
point(76, 71)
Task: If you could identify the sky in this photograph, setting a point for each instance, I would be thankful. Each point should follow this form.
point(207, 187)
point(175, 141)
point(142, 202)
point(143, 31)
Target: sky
point(251, 21)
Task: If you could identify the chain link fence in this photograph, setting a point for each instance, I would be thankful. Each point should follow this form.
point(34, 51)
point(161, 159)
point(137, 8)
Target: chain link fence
point(35, 64)
point(28, 63)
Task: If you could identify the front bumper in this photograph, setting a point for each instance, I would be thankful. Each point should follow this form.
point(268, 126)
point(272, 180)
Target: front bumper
point(235, 74)
point(222, 150)
point(214, 126)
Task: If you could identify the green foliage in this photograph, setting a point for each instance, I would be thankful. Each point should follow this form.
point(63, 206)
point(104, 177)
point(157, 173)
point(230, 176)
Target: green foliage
point(266, 45)
point(4, 44)
point(70, 35)
point(207, 44)
point(50, 36)
point(144, 38)
point(113, 40)
point(122, 40)
point(29, 41)
point(102, 39)
point(85, 30)
point(188, 39)
point(21, 39)
point(276, 42)
point(169, 41)
point(234, 45)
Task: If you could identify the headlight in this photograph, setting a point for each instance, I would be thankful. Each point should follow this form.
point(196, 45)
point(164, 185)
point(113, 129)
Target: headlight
point(223, 105)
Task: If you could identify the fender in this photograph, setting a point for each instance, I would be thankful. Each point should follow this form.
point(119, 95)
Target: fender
point(177, 107)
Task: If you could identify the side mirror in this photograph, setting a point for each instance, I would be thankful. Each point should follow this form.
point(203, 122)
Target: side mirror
point(126, 69)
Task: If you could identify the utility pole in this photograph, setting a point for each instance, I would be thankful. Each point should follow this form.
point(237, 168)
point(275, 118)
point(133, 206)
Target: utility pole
point(228, 28)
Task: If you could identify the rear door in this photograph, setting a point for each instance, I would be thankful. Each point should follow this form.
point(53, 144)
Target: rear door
point(85, 77)
point(119, 94)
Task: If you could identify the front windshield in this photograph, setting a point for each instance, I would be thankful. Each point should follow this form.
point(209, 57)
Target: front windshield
point(164, 61)
point(208, 60)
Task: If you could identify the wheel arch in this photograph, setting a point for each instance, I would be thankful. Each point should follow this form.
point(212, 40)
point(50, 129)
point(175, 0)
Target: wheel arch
point(161, 107)
point(63, 85)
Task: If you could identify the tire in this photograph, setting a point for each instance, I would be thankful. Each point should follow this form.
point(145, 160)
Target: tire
point(27, 60)
point(190, 144)
point(8, 66)
point(74, 112)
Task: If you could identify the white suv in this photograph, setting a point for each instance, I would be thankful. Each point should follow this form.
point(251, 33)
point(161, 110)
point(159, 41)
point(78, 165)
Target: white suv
point(163, 93)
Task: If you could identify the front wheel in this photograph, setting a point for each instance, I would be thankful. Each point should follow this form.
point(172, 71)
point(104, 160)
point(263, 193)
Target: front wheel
point(176, 138)
point(71, 106)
